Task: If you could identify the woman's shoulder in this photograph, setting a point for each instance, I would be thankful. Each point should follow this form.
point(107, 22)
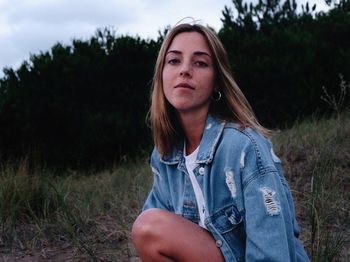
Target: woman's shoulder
point(245, 135)
point(249, 141)
point(155, 156)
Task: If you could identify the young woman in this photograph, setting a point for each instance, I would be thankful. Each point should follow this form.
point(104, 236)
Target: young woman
point(218, 193)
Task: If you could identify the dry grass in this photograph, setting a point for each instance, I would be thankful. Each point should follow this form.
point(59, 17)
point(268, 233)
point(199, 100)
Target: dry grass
point(316, 157)
point(90, 220)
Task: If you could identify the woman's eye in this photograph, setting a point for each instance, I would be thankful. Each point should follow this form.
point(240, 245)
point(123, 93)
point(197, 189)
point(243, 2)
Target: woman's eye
point(173, 61)
point(201, 64)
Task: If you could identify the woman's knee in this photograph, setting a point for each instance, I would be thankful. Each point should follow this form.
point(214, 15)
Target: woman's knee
point(159, 233)
point(148, 225)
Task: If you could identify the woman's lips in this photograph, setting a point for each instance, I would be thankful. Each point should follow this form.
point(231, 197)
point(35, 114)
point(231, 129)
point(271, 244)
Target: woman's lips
point(184, 85)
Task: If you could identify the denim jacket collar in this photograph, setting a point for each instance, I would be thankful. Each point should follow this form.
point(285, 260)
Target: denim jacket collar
point(211, 135)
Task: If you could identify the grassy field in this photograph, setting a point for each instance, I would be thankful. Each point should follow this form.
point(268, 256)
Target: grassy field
point(316, 157)
point(77, 216)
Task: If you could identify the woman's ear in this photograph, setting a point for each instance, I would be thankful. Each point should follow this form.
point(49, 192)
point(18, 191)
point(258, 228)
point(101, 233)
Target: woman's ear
point(216, 88)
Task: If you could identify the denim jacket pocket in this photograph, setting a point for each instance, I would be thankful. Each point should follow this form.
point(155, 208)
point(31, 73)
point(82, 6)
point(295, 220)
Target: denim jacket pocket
point(190, 212)
point(228, 222)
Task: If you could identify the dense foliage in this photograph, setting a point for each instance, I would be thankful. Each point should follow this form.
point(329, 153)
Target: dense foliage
point(282, 59)
point(85, 104)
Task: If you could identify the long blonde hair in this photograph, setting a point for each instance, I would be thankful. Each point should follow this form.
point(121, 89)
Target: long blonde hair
point(233, 105)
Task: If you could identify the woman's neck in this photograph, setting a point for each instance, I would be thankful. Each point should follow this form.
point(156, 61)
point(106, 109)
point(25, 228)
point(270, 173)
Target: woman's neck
point(193, 126)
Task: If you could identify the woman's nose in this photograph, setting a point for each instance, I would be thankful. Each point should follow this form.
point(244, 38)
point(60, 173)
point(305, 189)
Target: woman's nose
point(185, 70)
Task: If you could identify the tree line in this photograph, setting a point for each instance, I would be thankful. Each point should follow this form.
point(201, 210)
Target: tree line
point(85, 104)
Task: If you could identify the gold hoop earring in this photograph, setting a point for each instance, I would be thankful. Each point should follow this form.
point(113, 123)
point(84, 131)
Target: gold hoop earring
point(216, 96)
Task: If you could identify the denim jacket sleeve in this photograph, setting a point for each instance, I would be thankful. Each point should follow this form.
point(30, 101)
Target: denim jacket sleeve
point(268, 218)
point(156, 198)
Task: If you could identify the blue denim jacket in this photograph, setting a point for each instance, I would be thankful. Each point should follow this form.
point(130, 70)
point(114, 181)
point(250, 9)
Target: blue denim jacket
point(249, 207)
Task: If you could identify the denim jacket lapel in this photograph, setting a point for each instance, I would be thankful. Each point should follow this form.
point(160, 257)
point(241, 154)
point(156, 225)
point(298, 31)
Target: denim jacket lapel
point(212, 131)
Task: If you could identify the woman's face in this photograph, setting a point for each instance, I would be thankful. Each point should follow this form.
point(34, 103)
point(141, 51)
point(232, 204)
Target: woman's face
point(188, 73)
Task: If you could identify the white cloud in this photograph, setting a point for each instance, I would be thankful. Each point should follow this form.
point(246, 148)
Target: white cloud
point(28, 27)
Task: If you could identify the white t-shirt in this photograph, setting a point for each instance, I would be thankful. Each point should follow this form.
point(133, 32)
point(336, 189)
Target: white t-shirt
point(191, 164)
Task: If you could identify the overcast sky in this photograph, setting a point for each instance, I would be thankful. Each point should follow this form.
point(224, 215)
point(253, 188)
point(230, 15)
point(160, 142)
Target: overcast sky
point(30, 26)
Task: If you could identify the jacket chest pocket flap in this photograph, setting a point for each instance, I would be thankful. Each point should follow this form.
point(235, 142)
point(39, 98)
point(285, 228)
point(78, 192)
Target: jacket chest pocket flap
point(228, 222)
point(227, 219)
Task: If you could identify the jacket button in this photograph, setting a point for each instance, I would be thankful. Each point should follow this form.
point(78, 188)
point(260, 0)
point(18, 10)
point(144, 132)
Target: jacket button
point(208, 126)
point(218, 243)
point(201, 171)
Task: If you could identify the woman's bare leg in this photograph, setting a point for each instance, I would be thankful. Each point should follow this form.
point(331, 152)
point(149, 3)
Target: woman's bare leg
point(159, 235)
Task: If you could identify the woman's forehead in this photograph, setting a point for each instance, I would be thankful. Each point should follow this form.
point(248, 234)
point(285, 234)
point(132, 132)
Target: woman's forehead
point(189, 41)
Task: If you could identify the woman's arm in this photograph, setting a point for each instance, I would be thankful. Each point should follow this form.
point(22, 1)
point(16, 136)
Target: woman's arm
point(269, 225)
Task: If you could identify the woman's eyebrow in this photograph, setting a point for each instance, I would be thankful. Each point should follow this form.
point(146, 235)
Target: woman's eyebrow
point(174, 52)
point(200, 53)
point(197, 53)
